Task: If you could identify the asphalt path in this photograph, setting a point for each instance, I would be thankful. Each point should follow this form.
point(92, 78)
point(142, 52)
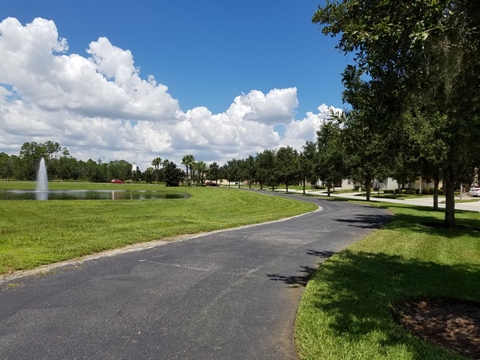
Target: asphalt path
point(225, 295)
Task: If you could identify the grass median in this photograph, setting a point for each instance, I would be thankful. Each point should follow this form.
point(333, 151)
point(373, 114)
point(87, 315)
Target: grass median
point(34, 233)
point(346, 309)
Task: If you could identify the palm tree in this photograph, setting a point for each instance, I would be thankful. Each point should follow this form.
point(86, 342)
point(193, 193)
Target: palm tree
point(201, 168)
point(193, 169)
point(185, 162)
point(188, 161)
point(156, 164)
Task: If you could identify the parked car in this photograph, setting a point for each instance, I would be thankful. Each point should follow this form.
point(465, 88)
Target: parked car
point(117, 181)
point(474, 191)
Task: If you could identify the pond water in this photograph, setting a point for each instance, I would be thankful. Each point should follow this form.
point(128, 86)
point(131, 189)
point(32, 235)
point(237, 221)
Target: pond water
point(90, 195)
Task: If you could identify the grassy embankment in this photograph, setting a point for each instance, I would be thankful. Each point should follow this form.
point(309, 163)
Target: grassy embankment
point(345, 311)
point(34, 233)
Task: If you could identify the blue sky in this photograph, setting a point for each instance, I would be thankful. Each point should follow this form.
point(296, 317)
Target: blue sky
point(207, 54)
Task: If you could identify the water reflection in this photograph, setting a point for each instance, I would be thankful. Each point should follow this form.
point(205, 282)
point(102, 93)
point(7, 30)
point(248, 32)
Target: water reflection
point(90, 195)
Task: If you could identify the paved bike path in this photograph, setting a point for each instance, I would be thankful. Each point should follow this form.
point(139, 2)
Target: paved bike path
point(226, 295)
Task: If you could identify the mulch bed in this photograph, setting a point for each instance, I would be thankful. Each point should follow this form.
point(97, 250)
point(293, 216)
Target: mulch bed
point(452, 324)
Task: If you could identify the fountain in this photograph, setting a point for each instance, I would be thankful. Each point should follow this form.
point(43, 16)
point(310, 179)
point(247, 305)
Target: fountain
point(42, 182)
point(42, 192)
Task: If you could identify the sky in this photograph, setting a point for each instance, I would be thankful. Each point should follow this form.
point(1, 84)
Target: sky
point(135, 79)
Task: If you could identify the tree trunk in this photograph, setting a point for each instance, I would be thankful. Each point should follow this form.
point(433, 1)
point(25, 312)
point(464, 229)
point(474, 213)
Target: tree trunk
point(304, 181)
point(328, 189)
point(449, 184)
point(368, 180)
point(436, 183)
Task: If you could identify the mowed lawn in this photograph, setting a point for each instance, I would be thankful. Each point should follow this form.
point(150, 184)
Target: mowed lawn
point(346, 309)
point(34, 233)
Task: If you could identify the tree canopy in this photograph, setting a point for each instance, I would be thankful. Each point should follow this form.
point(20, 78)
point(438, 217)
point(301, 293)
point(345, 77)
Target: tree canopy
point(420, 61)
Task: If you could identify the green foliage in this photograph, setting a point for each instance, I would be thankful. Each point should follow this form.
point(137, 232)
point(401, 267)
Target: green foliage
point(213, 172)
point(265, 165)
point(249, 170)
point(286, 165)
point(172, 175)
point(189, 161)
point(307, 164)
point(331, 162)
point(60, 165)
point(422, 65)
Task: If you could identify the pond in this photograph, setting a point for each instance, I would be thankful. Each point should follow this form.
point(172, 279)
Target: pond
point(90, 195)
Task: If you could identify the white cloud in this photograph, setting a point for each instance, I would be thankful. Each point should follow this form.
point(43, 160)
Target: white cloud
point(276, 107)
point(99, 107)
point(298, 132)
point(107, 84)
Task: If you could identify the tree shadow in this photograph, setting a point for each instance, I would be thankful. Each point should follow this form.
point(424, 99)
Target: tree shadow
point(322, 254)
point(305, 271)
point(421, 219)
point(295, 281)
point(356, 292)
point(367, 221)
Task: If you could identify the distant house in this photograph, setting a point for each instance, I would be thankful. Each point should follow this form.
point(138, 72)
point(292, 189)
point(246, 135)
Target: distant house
point(385, 184)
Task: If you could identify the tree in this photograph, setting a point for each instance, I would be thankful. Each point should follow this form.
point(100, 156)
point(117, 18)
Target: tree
point(249, 170)
point(173, 175)
point(156, 165)
point(30, 154)
point(149, 175)
point(410, 48)
point(188, 161)
point(265, 169)
point(330, 159)
point(213, 172)
point(286, 165)
point(307, 164)
point(232, 171)
point(224, 172)
point(201, 171)
point(365, 149)
point(6, 170)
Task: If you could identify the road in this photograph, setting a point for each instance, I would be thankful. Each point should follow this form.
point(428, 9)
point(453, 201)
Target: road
point(225, 295)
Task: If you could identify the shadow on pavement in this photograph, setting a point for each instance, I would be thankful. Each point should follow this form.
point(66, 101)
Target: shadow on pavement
point(305, 271)
point(367, 221)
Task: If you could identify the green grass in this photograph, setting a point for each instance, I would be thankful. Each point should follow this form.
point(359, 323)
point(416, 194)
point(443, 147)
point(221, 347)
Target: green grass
point(34, 233)
point(345, 312)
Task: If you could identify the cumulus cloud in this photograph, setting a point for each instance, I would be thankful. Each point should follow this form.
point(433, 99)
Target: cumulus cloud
point(106, 84)
point(99, 107)
point(276, 107)
point(298, 132)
